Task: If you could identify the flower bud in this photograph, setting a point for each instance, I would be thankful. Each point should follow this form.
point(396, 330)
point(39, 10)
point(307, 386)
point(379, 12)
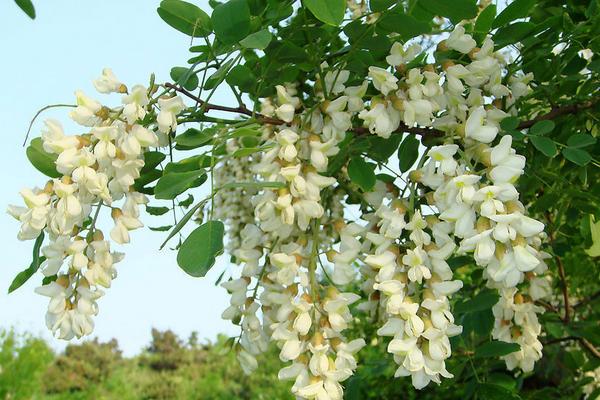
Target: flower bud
point(331, 254)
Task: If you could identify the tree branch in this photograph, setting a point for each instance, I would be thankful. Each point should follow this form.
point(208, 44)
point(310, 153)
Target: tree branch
point(361, 130)
point(590, 347)
point(558, 111)
point(588, 299)
point(565, 290)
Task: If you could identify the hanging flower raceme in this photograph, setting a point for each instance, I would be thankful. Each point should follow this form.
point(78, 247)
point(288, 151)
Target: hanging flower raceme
point(97, 169)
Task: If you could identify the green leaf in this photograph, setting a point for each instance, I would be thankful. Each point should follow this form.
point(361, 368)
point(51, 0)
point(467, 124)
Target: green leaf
point(175, 183)
point(27, 7)
point(163, 228)
point(329, 11)
point(381, 149)
point(198, 251)
point(183, 221)
point(157, 210)
point(247, 151)
point(231, 21)
point(193, 138)
point(542, 127)
point(594, 251)
point(185, 17)
point(577, 156)
point(485, 19)
point(219, 76)
point(41, 160)
point(516, 9)
point(496, 349)
point(455, 10)
point(490, 391)
point(509, 123)
point(184, 77)
point(581, 140)
point(408, 27)
point(147, 177)
point(242, 77)
point(187, 202)
point(243, 132)
point(512, 33)
point(361, 173)
point(408, 152)
point(151, 160)
point(484, 300)
point(380, 5)
point(27, 273)
point(544, 145)
point(257, 40)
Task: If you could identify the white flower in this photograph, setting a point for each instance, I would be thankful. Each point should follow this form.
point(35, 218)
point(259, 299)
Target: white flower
point(34, 216)
point(54, 139)
point(108, 83)
point(445, 156)
point(399, 56)
point(475, 127)
point(285, 112)
point(105, 149)
point(85, 112)
point(460, 41)
point(319, 153)
point(355, 96)
point(123, 224)
point(446, 288)
point(285, 97)
point(382, 119)
point(290, 350)
point(454, 76)
point(416, 260)
point(383, 80)
point(135, 104)
point(137, 139)
point(335, 80)
point(287, 268)
point(417, 111)
point(167, 117)
point(247, 362)
point(507, 166)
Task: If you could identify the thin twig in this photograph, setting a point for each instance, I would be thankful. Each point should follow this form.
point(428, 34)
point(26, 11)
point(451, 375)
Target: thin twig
point(590, 347)
point(587, 300)
point(565, 290)
point(37, 114)
point(402, 128)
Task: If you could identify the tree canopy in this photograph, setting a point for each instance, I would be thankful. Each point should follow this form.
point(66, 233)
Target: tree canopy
point(403, 189)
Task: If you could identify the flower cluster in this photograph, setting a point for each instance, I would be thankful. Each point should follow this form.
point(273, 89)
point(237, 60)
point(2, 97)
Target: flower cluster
point(97, 169)
point(232, 205)
point(465, 185)
point(460, 199)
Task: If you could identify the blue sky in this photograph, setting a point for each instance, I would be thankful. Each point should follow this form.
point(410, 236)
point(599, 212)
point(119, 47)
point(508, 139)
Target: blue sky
point(44, 62)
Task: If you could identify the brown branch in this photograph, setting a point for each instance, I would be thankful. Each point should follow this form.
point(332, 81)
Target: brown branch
point(584, 343)
point(565, 290)
point(560, 340)
point(361, 130)
point(587, 300)
point(561, 274)
point(242, 109)
point(547, 306)
point(590, 347)
point(558, 111)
